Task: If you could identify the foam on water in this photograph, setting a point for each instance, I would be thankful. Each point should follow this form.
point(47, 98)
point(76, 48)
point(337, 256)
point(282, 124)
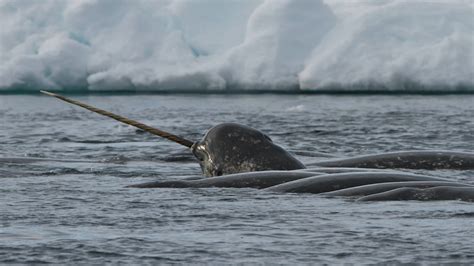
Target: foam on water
point(249, 45)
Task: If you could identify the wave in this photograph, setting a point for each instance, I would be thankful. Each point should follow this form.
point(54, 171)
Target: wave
point(286, 46)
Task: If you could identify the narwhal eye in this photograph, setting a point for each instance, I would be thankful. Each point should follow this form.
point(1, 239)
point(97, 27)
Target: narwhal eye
point(199, 156)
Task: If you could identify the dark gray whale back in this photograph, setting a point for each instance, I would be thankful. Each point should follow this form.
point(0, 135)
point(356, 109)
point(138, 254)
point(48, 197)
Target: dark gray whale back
point(231, 148)
point(407, 159)
point(332, 182)
point(434, 193)
point(383, 187)
point(261, 179)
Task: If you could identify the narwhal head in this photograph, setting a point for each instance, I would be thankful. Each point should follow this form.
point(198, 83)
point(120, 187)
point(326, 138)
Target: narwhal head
point(225, 149)
point(231, 148)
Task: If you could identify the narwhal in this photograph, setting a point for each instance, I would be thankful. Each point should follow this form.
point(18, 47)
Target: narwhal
point(227, 148)
point(235, 155)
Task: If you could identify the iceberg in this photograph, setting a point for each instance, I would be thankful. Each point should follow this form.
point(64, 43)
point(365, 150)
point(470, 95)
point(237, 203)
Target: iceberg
point(251, 45)
point(401, 45)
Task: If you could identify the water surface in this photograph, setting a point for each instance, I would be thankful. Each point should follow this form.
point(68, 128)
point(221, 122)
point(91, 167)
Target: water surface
point(79, 211)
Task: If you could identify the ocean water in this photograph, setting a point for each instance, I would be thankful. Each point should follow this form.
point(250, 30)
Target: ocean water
point(71, 205)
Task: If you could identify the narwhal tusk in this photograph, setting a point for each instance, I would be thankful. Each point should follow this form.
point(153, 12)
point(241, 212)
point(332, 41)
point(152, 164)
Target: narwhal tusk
point(127, 121)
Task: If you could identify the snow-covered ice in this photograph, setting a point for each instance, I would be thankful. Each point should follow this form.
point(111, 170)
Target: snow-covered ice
point(237, 44)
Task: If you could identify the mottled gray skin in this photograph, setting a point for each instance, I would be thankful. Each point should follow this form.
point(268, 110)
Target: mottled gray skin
point(337, 170)
point(382, 187)
point(237, 156)
point(435, 193)
point(260, 179)
point(407, 159)
point(332, 182)
point(231, 148)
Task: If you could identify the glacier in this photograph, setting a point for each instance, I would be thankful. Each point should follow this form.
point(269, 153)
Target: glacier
point(250, 45)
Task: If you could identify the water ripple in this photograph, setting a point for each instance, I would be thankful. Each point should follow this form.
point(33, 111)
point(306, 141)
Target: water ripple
point(75, 209)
